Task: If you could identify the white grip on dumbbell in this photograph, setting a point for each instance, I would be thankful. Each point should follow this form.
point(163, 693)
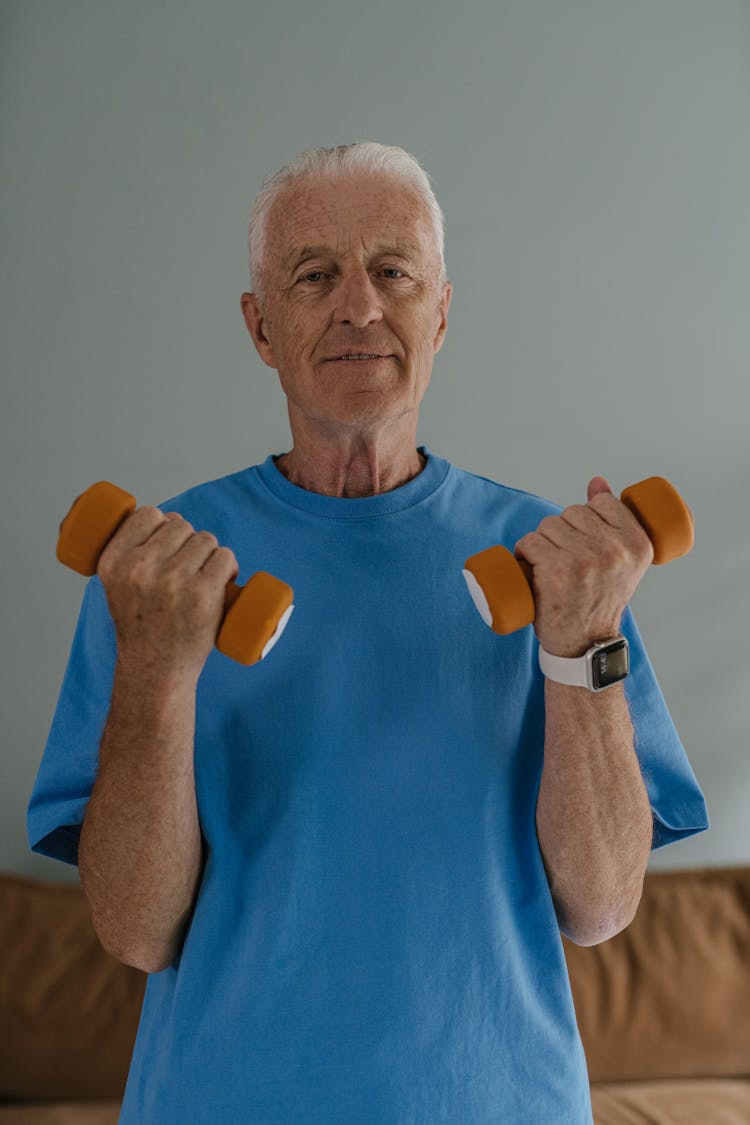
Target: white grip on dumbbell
point(279, 630)
point(478, 597)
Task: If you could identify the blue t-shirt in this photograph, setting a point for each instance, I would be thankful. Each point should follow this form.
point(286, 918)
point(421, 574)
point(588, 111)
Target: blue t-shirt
point(374, 940)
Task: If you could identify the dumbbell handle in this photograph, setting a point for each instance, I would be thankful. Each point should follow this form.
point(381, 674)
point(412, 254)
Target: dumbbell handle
point(501, 590)
point(255, 615)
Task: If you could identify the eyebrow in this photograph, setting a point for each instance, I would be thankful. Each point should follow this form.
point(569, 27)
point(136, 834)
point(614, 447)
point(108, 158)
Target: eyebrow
point(404, 248)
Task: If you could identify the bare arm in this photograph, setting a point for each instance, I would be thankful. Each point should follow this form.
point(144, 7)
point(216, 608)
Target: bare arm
point(140, 854)
point(593, 815)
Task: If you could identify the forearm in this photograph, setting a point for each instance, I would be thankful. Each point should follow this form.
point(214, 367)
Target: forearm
point(140, 854)
point(593, 814)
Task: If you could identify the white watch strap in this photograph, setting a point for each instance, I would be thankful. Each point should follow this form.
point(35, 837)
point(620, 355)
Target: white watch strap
point(571, 670)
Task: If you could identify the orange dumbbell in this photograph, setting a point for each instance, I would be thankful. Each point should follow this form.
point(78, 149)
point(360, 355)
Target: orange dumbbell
point(501, 591)
point(255, 615)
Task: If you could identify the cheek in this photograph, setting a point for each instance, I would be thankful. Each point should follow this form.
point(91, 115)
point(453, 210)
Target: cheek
point(295, 331)
point(424, 334)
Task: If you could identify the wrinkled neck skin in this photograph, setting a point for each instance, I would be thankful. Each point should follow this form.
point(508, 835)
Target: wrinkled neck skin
point(362, 465)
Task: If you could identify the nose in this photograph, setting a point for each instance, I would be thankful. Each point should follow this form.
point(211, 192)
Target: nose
point(357, 299)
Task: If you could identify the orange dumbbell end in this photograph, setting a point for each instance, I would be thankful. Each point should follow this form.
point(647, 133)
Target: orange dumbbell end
point(664, 516)
point(499, 589)
point(90, 524)
point(255, 616)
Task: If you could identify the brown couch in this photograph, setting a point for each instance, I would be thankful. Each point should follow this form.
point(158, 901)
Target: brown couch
point(663, 1008)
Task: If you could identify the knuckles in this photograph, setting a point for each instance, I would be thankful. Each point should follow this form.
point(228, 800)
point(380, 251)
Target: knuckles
point(612, 550)
point(549, 523)
point(207, 537)
point(613, 554)
point(603, 501)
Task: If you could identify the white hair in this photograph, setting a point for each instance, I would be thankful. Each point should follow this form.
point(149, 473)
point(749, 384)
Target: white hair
point(362, 156)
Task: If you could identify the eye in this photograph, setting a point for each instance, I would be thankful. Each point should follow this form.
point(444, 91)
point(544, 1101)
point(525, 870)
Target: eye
point(319, 273)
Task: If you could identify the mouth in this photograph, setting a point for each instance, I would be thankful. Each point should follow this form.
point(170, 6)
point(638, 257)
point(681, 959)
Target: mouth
point(358, 359)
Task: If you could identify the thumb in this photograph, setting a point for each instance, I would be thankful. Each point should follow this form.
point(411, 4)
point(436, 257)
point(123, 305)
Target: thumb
point(597, 485)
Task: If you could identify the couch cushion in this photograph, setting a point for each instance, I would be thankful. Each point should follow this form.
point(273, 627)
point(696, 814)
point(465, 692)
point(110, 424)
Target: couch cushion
point(68, 1011)
point(689, 1101)
point(61, 1113)
point(669, 997)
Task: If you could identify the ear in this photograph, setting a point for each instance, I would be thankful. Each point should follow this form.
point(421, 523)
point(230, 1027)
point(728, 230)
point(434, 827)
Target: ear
point(255, 320)
point(443, 307)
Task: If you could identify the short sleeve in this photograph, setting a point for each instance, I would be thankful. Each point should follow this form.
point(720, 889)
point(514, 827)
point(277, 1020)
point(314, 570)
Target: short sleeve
point(677, 802)
point(71, 756)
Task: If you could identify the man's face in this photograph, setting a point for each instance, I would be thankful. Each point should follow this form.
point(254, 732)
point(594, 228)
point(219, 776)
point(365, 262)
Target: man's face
point(350, 268)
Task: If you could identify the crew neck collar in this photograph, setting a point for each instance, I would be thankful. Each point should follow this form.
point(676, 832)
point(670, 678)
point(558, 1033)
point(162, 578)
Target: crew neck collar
point(418, 488)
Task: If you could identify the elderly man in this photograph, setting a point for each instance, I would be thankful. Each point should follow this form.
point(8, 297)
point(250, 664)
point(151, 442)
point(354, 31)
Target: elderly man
point(347, 868)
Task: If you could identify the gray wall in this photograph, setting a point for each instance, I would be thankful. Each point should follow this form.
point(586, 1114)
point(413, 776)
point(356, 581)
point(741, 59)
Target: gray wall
point(593, 162)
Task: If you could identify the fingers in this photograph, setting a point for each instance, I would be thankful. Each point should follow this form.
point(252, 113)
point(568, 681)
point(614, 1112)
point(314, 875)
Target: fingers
point(221, 564)
point(140, 525)
point(568, 532)
point(194, 550)
point(604, 529)
point(596, 486)
point(201, 548)
point(610, 509)
point(168, 537)
point(596, 518)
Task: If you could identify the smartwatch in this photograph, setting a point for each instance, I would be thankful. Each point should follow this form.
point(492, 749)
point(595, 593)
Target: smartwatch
point(605, 664)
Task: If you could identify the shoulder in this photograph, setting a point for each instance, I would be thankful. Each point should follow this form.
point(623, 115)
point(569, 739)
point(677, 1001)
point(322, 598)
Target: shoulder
point(494, 499)
point(213, 500)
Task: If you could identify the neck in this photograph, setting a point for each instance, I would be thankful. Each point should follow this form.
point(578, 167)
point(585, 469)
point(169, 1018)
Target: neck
point(355, 473)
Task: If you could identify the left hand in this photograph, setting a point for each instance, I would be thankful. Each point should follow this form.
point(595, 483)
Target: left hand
point(583, 567)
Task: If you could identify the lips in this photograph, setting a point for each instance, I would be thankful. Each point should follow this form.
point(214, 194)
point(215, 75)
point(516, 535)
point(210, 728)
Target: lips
point(371, 357)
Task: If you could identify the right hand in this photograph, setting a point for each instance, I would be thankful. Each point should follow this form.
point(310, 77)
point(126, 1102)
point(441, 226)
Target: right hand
point(165, 585)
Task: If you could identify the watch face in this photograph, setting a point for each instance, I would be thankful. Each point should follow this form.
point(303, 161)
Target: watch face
point(611, 664)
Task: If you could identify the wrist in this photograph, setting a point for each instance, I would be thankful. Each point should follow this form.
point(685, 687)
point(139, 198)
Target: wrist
point(154, 677)
point(571, 644)
point(568, 649)
point(605, 663)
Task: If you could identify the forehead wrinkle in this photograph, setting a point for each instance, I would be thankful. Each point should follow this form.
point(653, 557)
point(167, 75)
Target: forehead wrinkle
point(401, 247)
point(304, 224)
